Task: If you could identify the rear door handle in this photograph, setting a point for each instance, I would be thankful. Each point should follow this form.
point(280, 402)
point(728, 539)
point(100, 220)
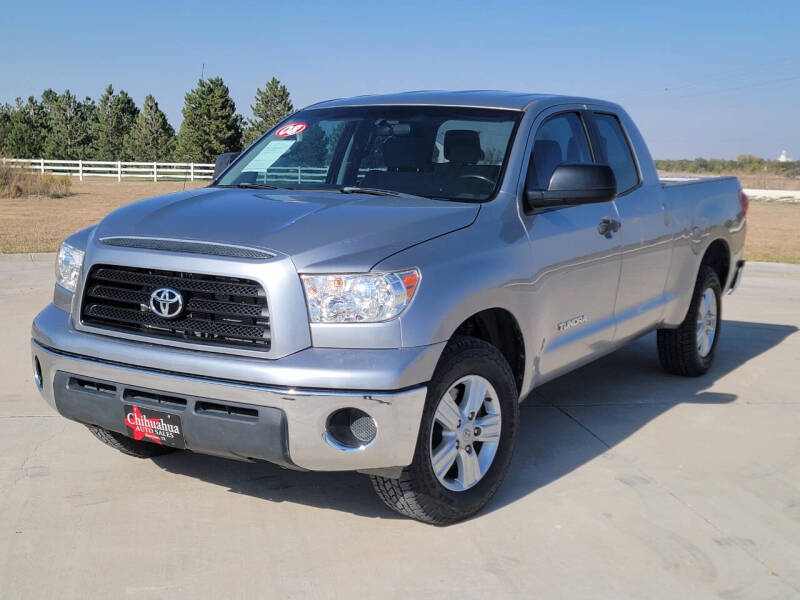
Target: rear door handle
point(608, 226)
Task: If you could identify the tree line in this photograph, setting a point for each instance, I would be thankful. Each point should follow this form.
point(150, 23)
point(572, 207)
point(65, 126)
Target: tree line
point(59, 126)
point(744, 163)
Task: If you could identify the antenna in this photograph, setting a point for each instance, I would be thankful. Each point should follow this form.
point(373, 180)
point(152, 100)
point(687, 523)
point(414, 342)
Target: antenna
point(202, 71)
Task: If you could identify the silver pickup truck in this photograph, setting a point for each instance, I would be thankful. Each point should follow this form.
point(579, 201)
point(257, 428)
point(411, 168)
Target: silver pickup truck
point(377, 282)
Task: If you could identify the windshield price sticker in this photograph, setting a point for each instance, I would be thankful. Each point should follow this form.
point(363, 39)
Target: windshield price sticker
point(291, 129)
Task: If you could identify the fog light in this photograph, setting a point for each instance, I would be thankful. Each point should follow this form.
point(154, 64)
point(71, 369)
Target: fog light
point(350, 429)
point(37, 372)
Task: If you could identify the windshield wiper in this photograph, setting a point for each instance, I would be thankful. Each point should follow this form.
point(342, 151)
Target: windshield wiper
point(351, 189)
point(354, 189)
point(257, 186)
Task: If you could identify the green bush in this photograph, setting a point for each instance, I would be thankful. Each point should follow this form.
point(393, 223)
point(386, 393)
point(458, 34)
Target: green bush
point(744, 163)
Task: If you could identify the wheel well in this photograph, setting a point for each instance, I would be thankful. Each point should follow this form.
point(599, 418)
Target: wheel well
point(498, 327)
point(718, 257)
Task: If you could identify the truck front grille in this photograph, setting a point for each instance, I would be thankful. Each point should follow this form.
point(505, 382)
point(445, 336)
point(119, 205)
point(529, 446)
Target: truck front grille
point(221, 311)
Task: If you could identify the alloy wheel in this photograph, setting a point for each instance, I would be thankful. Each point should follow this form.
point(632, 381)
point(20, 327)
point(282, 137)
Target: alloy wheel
point(465, 433)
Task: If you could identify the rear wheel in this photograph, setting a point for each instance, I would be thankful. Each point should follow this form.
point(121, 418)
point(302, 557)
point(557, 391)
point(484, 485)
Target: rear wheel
point(466, 437)
point(128, 445)
point(690, 348)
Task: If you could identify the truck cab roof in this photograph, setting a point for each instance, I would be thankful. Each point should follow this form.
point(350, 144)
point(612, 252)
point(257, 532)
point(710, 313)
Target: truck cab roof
point(466, 98)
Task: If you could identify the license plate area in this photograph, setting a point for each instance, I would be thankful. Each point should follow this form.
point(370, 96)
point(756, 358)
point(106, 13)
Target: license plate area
point(143, 423)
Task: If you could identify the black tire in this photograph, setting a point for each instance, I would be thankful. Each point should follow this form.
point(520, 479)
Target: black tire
point(128, 445)
point(677, 348)
point(418, 493)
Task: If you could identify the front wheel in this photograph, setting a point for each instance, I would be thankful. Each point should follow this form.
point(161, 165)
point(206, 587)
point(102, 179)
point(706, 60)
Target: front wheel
point(466, 437)
point(689, 349)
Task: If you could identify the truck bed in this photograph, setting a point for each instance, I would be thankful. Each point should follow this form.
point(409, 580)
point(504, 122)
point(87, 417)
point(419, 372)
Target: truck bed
point(669, 181)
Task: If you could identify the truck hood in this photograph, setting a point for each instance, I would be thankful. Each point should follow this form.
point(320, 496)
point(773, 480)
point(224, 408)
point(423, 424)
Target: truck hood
point(320, 231)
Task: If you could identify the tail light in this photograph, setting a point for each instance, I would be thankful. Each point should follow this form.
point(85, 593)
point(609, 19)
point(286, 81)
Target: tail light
point(744, 201)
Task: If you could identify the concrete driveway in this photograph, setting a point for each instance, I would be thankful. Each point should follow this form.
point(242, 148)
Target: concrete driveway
point(627, 483)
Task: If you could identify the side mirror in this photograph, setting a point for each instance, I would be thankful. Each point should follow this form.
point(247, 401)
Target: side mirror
point(222, 162)
point(573, 184)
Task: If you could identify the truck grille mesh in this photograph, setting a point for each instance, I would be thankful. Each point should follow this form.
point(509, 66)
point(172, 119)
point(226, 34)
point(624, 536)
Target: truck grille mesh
point(221, 311)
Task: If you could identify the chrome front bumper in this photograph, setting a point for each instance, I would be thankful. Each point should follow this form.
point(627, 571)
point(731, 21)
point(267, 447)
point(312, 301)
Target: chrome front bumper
point(396, 413)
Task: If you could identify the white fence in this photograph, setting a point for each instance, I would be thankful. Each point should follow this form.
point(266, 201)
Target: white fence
point(300, 175)
point(792, 196)
point(293, 175)
point(154, 171)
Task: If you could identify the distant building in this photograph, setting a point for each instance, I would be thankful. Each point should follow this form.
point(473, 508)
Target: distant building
point(783, 157)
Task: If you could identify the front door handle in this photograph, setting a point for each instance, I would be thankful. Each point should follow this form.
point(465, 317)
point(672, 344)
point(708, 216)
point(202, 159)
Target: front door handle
point(608, 227)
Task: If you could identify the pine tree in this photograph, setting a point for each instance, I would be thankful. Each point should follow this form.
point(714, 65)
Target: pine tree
point(69, 128)
point(49, 99)
point(26, 130)
point(6, 110)
point(210, 123)
point(151, 138)
point(273, 103)
point(116, 114)
point(87, 114)
point(310, 150)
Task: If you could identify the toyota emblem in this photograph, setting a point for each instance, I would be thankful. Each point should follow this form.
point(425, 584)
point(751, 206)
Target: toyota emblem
point(166, 302)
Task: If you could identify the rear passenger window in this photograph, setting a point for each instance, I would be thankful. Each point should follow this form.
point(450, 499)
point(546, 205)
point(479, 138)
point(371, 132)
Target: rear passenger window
point(560, 139)
point(615, 150)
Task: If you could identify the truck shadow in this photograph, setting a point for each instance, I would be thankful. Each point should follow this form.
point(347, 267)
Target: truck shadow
point(564, 424)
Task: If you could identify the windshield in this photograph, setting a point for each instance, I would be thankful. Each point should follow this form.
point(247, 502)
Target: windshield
point(448, 153)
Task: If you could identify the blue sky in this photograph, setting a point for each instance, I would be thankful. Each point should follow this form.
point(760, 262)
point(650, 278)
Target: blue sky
point(700, 78)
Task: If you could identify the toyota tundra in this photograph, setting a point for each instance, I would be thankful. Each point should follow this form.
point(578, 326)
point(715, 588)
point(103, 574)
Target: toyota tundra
point(376, 283)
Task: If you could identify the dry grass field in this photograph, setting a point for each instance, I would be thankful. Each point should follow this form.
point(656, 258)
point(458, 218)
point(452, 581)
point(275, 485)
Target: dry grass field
point(36, 224)
point(39, 224)
point(773, 232)
point(20, 183)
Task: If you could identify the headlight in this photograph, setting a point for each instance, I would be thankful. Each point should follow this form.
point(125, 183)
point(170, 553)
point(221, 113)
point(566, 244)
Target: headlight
point(68, 267)
point(359, 298)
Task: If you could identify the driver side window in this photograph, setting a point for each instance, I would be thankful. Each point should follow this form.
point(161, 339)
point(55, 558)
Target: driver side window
point(560, 139)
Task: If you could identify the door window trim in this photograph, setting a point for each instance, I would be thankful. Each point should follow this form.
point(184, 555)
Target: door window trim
point(595, 134)
point(582, 113)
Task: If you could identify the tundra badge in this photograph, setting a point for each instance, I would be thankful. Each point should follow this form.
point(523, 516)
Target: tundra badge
point(573, 322)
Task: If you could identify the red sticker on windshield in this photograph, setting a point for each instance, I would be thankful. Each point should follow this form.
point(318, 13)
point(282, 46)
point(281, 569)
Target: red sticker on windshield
point(291, 129)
